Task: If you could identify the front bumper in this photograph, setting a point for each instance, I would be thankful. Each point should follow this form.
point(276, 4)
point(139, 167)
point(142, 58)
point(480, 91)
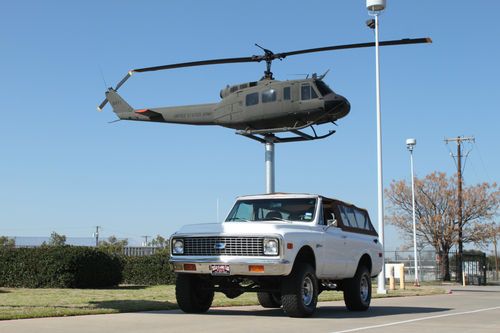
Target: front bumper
point(238, 266)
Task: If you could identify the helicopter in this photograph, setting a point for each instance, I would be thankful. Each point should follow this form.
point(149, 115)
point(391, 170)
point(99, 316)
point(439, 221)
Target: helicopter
point(256, 109)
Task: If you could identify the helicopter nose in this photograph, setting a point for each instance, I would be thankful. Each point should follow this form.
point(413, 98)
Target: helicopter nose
point(338, 105)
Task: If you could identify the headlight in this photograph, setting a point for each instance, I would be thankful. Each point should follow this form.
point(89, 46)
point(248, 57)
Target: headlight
point(271, 247)
point(178, 246)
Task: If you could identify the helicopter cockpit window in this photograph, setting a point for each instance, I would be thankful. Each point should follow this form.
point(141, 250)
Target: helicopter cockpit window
point(307, 92)
point(268, 96)
point(252, 99)
point(323, 88)
point(286, 93)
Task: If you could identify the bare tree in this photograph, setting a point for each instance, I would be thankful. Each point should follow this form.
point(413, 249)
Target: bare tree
point(436, 210)
point(493, 232)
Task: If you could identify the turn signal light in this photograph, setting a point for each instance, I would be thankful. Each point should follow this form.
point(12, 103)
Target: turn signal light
point(289, 246)
point(256, 268)
point(189, 267)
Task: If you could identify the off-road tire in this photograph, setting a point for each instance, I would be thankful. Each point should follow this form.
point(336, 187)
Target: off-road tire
point(299, 294)
point(193, 293)
point(358, 290)
point(269, 300)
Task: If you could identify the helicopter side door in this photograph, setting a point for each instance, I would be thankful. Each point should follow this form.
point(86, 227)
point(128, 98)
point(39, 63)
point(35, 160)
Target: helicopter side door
point(290, 97)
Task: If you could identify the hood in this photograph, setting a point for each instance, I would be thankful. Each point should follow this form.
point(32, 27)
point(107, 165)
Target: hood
point(240, 228)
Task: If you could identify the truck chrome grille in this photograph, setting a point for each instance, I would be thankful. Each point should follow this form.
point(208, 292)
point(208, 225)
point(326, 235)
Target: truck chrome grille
point(229, 246)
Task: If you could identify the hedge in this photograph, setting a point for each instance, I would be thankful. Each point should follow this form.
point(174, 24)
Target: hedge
point(59, 267)
point(148, 270)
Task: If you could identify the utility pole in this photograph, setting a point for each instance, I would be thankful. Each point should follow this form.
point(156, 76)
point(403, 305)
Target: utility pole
point(496, 255)
point(459, 141)
point(96, 235)
point(145, 240)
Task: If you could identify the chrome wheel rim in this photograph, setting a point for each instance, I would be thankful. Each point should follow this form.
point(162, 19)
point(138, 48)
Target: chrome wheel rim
point(364, 288)
point(307, 291)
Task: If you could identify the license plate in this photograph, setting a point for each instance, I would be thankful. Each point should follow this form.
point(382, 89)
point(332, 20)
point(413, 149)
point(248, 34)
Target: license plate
point(221, 270)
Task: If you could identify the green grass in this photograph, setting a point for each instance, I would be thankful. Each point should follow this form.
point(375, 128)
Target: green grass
point(17, 303)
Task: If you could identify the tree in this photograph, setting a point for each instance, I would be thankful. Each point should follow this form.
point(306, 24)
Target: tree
point(493, 231)
point(436, 210)
point(113, 245)
point(159, 241)
point(56, 239)
point(7, 242)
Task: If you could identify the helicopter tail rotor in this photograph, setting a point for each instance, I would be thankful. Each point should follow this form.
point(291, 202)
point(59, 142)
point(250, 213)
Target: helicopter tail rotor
point(103, 104)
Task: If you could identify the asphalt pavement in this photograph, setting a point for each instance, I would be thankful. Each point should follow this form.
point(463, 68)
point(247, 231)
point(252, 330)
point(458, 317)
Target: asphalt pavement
point(464, 309)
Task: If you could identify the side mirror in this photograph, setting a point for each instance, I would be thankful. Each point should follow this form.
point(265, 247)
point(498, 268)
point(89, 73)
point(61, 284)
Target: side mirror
point(331, 223)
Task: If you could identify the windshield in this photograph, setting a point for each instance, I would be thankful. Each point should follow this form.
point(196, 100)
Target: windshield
point(323, 88)
point(288, 210)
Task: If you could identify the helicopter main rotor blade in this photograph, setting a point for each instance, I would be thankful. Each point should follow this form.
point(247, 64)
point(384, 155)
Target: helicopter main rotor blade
point(355, 46)
point(199, 63)
point(268, 57)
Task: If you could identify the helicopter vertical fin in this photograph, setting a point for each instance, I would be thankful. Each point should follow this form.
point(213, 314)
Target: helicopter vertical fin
point(120, 107)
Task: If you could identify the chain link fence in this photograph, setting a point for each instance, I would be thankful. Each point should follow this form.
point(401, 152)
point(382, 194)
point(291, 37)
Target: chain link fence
point(478, 270)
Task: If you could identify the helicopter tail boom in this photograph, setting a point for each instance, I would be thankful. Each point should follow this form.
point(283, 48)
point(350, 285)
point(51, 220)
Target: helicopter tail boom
point(124, 111)
point(118, 104)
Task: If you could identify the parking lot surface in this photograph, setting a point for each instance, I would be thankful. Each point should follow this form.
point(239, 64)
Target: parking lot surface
point(464, 309)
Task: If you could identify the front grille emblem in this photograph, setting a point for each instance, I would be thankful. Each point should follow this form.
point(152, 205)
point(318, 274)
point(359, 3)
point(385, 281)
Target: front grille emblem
point(219, 246)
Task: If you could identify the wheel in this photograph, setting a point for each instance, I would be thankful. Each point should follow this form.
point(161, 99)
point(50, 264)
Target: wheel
point(300, 291)
point(358, 290)
point(193, 293)
point(269, 300)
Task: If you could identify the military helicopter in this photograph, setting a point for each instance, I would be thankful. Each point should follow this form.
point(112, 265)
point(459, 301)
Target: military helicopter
point(257, 109)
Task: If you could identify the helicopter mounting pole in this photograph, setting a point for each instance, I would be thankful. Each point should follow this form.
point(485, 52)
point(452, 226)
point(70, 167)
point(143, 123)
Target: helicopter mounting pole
point(269, 163)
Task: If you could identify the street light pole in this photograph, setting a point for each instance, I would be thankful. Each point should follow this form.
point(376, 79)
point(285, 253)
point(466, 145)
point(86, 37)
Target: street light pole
point(374, 8)
point(410, 144)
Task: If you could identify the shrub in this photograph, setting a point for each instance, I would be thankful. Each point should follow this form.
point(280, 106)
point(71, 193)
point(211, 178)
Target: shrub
point(148, 270)
point(59, 267)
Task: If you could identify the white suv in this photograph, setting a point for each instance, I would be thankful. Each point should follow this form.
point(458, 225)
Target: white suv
point(286, 247)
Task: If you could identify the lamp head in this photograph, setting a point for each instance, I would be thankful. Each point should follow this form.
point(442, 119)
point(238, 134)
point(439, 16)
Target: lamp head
point(375, 5)
point(410, 143)
point(370, 23)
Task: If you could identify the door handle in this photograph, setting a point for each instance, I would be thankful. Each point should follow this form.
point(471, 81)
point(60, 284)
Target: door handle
point(344, 236)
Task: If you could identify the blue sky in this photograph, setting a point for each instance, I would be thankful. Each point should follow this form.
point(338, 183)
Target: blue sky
point(64, 168)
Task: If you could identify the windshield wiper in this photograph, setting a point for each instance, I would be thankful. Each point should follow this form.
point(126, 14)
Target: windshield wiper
point(279, 219)
point(239, 219)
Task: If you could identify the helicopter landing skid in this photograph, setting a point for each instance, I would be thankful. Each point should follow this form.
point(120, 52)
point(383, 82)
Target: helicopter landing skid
point(265, 136)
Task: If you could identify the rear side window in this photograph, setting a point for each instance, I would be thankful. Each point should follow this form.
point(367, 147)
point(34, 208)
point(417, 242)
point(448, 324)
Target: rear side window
point(286, 93)
point(268, 96)
point(344, 217)
point(252, 99)
point(361, 219)
point(353, 217)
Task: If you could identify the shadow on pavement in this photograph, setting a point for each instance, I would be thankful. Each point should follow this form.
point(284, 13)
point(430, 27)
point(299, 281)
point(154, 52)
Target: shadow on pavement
point(134, 305)
point(335, 312)
point(485, 290)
